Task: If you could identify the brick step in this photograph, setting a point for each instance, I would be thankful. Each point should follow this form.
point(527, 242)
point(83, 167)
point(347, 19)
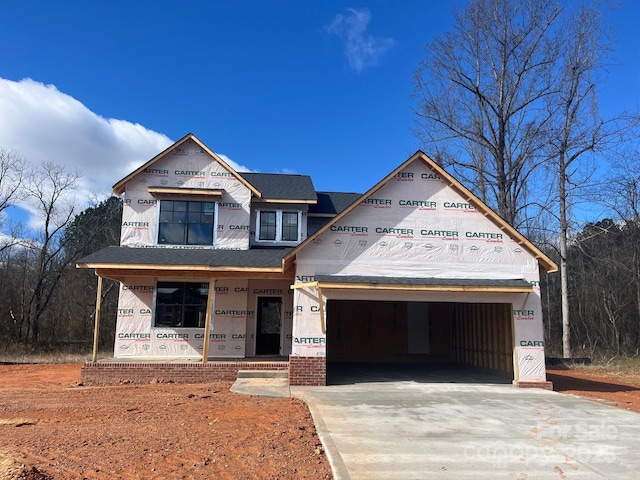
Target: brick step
point(263, 374)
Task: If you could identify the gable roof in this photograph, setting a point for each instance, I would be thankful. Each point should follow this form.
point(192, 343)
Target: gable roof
point(285, 187)
point(119, 187)
point(545, 263)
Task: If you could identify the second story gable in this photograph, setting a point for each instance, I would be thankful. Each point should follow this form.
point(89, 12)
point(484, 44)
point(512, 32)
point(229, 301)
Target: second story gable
point(186, 197)
point(189, 197)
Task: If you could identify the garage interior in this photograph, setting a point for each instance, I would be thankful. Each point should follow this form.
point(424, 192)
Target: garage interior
point(468, 334)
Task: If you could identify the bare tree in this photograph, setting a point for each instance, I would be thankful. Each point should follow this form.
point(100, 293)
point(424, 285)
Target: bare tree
point(11, 177)
point(624, 198)
point(44, 300)
point(12, 171)
point(578, 131)
point(604, 300)
point(508, 99)
point(625, 201)
point(50, 192)
point(481, 93)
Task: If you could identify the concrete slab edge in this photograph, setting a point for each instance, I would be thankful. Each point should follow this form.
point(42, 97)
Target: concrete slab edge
point(338, 467)
point(261, 387)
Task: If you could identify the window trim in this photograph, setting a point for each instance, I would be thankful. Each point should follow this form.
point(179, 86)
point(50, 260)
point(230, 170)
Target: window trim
point(278, 238)
point(214, 239)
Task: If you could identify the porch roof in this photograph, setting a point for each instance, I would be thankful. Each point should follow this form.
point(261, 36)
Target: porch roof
point(119, 262)
point(423, 283)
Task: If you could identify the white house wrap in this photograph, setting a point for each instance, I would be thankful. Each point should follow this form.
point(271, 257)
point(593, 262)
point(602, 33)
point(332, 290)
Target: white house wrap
point(417, 269)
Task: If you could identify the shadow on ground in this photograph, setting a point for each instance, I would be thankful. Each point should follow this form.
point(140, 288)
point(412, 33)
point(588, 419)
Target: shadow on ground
point(344, 373)
point(563, 383)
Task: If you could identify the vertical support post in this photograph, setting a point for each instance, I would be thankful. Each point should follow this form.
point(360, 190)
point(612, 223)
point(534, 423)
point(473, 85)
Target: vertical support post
point(323, 325)
point(514, 353)
point(96, 327)
point(207, 320)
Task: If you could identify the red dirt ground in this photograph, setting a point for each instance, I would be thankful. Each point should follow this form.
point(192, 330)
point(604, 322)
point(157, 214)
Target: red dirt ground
point(619, 390)
point(51, 428)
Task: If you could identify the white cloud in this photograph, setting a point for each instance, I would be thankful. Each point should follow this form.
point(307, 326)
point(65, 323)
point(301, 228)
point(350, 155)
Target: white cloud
point(235, 165)
point(289, 171)
point(361, 49)
point(42, 124)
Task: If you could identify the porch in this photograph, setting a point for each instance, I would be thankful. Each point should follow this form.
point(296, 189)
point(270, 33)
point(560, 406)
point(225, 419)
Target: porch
point(114, 371)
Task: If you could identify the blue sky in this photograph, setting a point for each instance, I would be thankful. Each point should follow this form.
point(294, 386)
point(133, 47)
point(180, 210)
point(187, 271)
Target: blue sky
point(319, 88)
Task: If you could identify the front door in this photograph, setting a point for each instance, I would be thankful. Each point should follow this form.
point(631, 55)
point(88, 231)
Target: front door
point(269, 325)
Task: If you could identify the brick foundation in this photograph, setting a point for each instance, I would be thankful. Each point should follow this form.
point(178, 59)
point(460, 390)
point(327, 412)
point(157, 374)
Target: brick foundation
point(545, 385)
point(307, 371)
point(111, 373)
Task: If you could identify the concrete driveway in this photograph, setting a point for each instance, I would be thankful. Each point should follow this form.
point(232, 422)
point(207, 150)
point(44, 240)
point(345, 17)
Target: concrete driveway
point(412, 423)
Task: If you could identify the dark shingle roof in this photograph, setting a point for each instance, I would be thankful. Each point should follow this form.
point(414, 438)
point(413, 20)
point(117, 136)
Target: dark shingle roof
point(333, 202)
point(255, 257)
point(278, 186)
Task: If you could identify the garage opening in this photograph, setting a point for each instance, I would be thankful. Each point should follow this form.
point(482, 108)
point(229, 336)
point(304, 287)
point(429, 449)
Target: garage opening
point(469, 334)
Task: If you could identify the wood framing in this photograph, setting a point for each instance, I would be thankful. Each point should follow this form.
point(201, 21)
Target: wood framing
point(207, 319)
point(413, 287)
point(482, 336)
point(118, 272)
point(96, 327)
point(184, 192)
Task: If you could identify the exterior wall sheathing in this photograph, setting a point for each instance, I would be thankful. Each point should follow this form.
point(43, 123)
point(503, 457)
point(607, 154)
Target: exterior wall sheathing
point(416, 225)
point(233, 321)
point(413, 225)
point(186, 167)
point(234, 308)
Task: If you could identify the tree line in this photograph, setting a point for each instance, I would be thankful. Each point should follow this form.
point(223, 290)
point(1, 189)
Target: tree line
point(45, 302)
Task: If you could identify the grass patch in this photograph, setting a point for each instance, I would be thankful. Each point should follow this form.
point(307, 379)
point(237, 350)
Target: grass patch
point(16, 355)
point(622, 369)
point(25, 358)
point(8, 466)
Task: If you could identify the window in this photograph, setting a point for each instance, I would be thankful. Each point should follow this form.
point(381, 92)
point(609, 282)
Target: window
point(289, 226)
point(180, 304)
point(278, 226)
point(186, 222)
point(267, 226)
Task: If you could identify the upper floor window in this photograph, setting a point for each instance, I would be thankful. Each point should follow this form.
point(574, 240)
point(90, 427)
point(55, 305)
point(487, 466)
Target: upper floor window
point(278, 226)
point(186, 222)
